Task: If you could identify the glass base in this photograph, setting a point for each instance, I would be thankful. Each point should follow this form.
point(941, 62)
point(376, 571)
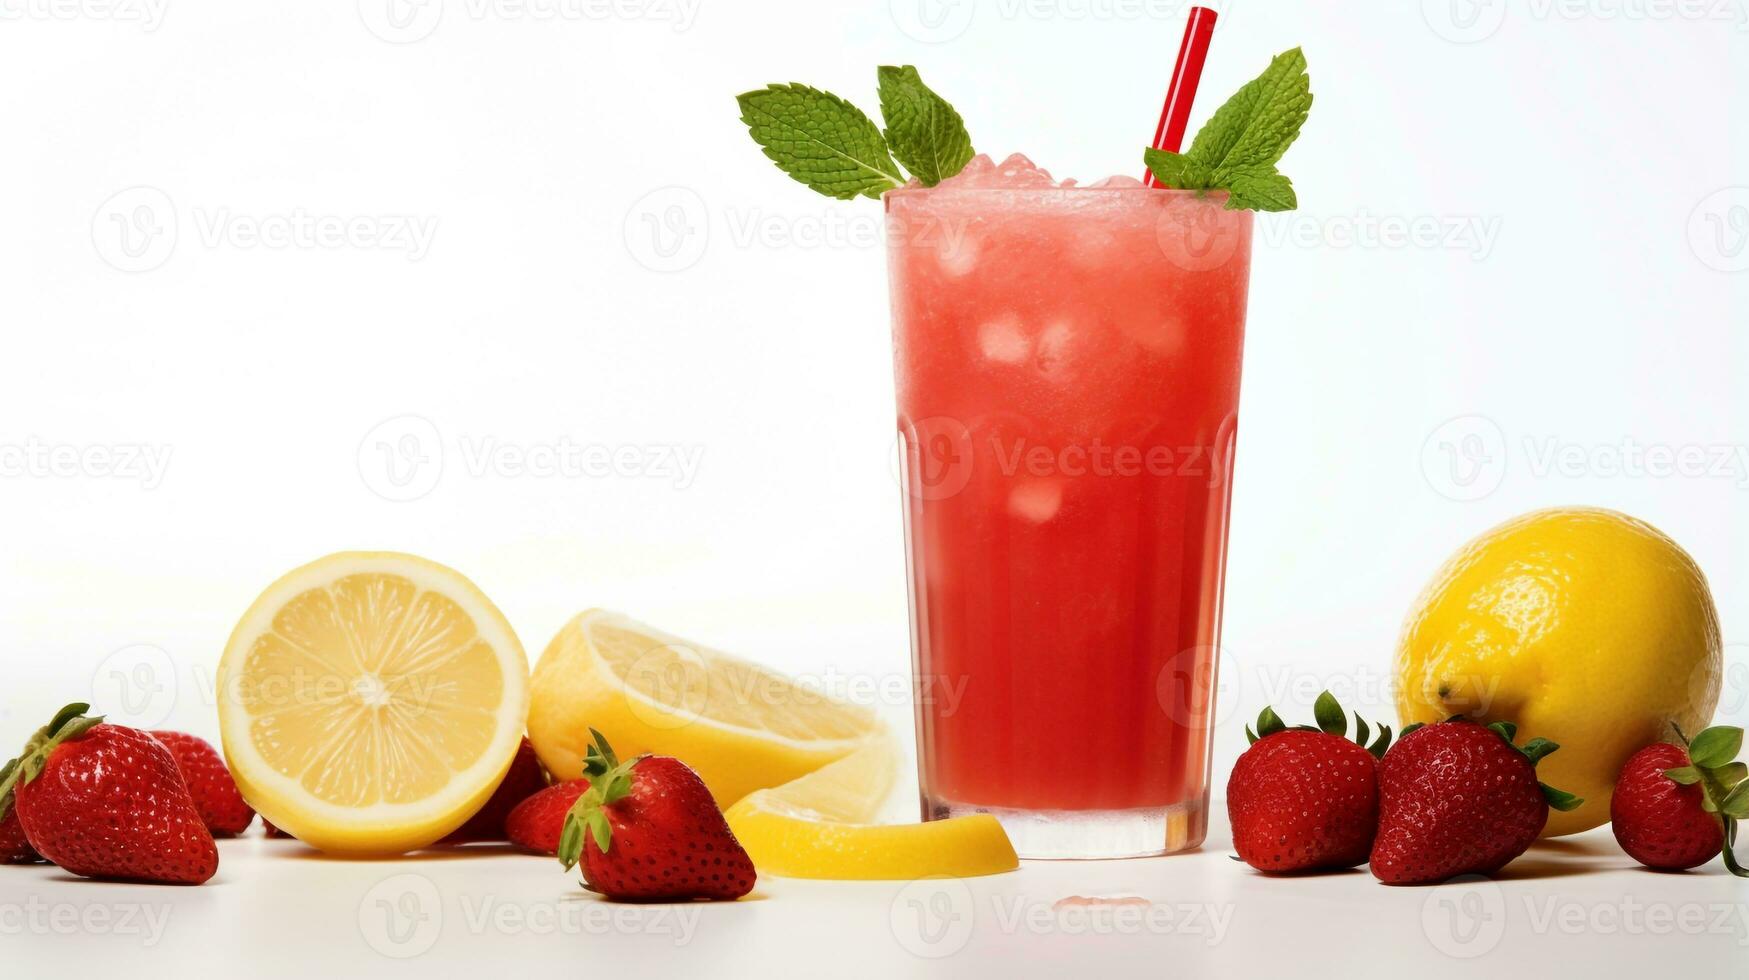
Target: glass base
point(1090, 834)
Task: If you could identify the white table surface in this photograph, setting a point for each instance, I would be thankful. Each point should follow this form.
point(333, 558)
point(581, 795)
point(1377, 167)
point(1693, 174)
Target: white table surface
point(277, 909)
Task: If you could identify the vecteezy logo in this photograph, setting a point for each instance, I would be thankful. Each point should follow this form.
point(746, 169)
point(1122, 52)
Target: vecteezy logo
point(401, 459)
point(135, 686)
point(1730, 685)
point(402, 916)
point(1718, 230)
point(1464, 918)
point(934, 457)
point(933, 917)
point(135, 230)
point(673, 677)
point(1465, 459)
point(1193, 690)
point(401, 21)
point(1464, 21)
point(1196, 236)
point(932, 21)
point(667, 229)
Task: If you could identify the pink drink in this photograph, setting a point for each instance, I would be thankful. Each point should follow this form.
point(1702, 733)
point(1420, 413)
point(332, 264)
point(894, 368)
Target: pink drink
point(1067, 363)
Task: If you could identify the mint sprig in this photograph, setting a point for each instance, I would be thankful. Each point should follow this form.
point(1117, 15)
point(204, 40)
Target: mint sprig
point(830, 145)
point(1237, 149)
point(924, 131)
point(834, 148)
point(821, 140)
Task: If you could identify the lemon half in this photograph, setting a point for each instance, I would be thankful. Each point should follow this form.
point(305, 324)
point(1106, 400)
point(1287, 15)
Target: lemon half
point(740, 726)
point(371, 701)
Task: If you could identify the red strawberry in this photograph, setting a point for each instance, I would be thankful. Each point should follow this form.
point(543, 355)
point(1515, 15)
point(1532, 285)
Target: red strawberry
point(649, 830)
point(1675, 809)
point(14, 849)
point(273, 831)
point(209, 782)
point(523, 779)
point(1459, 798)
point(1302, 799)
point(105, 801)
point(536, 822)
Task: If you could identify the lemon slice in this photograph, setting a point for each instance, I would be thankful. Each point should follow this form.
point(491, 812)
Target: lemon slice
point(814, 827)
point(740, 726)
point(370, 702)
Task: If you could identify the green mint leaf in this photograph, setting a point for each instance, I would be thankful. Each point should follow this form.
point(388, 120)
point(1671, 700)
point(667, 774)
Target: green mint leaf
point(820, 140)
point(1559, 800)
point(1686, 775)
point(1716, 746)
point(1331, 720)
point(1238, 148)
point(1257, 125)
point(1257, 190)
point(925, 133)
point(1177, 170)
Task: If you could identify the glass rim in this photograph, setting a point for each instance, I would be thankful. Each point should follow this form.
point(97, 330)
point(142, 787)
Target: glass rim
point(1176, 192)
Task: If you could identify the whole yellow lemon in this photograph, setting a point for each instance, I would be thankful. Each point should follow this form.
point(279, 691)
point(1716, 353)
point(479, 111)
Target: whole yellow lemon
point(1580, 625)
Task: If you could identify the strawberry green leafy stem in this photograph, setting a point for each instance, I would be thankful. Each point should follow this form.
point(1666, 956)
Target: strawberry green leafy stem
point(69, 723)
point(1722, 780)
point(609, 782)
point(1331, 721)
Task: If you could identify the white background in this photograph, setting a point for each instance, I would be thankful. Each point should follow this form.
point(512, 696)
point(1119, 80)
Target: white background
point(609, 262)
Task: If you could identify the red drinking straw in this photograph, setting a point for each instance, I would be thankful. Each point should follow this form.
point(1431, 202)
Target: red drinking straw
point(1192, 52)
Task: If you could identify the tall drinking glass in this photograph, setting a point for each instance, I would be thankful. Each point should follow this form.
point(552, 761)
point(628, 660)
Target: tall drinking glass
point(1067, 364)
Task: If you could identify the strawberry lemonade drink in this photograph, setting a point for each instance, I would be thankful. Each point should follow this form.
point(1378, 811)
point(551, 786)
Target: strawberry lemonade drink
point(1067, 367)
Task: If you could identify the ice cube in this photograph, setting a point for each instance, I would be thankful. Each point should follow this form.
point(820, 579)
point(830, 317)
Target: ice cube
point(1018, 171)
point(1159, 337)
point(1052, 354)
point(1013, 173)
point(1036, 501)
point(957, 251)
point(979, 171)
point(1095, 246)
point(1003, 339)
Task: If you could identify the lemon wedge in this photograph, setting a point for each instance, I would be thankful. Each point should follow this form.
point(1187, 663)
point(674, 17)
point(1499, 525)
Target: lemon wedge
point(370, 702)
point(815, 827)
point(740, 726)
